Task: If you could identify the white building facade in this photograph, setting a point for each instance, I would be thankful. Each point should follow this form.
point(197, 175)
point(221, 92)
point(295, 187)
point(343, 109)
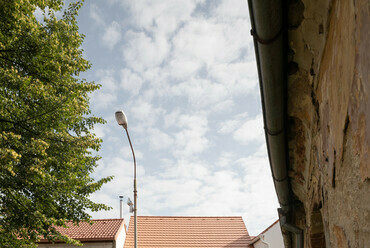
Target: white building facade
point(271, 237)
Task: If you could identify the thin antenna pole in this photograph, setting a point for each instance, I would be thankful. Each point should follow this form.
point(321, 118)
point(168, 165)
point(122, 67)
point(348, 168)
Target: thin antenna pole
point(120, 206)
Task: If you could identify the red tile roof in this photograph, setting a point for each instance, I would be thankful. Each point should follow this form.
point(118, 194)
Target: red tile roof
point(100, 230)
point(162, 231)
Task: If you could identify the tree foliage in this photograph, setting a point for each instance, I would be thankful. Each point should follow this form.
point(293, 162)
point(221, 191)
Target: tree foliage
point(46, 143)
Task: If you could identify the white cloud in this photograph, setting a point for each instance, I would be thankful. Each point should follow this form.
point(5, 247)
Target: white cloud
point(101, 100)
point(122, 170)
point(183, 68)
point(142, 52)
point(131, 81)
point(99, 130)
point(96, 14)
point(202, 40)
point(257, 171)
point(157, 81)
point(159, 140)
point(122, 184)
point(261, 151)
point(106, 95)
point(260, 191)
point(126, 152)
point(250, 131)
point(112, 35)
point(186, 169)
point(229, 192)
point(161, 17)
point(232, 124)
point(170, 119)
point(216, 193)
point(191, 138)
point(239, 78)
point(191, 141)
point(226, 191)
point(231, 9)
point(107, 80)
point(201, 92)
point(38, 13)
point(171, 193)
point(225, 159)
point(210, 41)
point(145, 112)
point(222, 106)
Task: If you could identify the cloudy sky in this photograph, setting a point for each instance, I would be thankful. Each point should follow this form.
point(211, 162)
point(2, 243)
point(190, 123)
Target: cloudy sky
point(184, 72)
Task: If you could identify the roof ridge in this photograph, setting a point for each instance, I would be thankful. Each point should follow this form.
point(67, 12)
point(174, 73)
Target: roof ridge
point(85, 221)
point(107, 219)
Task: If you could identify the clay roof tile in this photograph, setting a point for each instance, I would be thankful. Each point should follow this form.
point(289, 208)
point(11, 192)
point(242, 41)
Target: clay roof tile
point(184, 231)
point(99, 230)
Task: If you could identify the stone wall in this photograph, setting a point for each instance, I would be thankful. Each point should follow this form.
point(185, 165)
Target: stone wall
point(329, 120)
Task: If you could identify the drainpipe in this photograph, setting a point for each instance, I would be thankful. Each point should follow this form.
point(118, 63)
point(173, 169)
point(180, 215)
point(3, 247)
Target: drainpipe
point(267, 21)
point(298, 232)
point(262, 238)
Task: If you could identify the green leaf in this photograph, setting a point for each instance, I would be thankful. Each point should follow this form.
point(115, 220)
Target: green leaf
point(46, 142)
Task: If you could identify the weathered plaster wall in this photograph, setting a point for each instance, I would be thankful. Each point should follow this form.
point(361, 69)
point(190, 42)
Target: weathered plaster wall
point(329, 120)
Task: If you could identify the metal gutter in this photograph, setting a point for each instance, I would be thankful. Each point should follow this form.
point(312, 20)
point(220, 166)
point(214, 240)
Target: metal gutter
point(268, 22)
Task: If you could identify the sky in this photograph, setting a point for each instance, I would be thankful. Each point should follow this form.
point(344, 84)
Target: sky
point(184, 72)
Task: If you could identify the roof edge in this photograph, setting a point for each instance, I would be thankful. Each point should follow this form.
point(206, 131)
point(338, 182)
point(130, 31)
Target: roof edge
point(120, 229)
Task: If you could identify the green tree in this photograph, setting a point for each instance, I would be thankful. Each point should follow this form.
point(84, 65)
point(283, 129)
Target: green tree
point(46, 144)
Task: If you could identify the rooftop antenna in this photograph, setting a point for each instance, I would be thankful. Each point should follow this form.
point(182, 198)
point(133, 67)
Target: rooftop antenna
point(130, 204)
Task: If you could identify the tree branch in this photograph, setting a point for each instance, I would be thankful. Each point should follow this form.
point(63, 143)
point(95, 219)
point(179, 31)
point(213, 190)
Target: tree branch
point(7, 50)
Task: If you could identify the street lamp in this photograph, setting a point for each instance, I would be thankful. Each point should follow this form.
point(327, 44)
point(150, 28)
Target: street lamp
point(122, 121)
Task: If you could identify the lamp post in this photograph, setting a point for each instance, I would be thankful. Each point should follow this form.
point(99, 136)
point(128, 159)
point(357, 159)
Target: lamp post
point(122, 121)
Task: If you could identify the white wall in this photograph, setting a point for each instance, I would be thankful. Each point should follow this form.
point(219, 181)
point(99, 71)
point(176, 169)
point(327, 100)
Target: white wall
point(121, 238)
point(272, 238)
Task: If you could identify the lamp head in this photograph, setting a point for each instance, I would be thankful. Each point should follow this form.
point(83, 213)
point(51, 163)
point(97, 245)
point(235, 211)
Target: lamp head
point(121, 118)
